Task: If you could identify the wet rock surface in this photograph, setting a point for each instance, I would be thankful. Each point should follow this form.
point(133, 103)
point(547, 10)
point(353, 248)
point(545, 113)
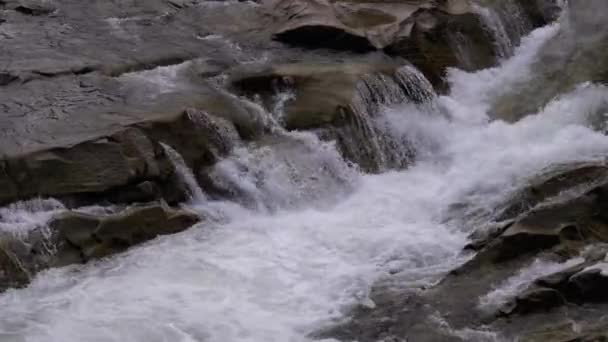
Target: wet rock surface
point(75, 237)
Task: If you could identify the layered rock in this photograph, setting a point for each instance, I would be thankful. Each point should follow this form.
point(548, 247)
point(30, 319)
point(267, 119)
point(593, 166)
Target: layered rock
point(576, 55)
point(74, 237)
point(125, 166)
point(432, 35)
point(350, 25)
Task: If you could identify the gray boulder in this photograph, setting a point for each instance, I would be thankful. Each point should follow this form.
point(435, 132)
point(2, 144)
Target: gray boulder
point(74, 237)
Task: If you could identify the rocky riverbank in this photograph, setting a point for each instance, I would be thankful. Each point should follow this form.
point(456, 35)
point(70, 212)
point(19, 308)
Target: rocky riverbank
point(103, 104)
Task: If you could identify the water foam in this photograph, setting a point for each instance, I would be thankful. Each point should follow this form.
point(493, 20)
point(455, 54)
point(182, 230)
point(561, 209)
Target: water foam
point(21, 218)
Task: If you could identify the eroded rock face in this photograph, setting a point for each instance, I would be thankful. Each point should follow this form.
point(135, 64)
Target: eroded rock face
point(75, 237)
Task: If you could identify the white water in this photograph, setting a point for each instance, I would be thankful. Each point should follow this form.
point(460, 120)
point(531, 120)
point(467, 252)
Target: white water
point(518, 283)
point(186, 175)
point(23, 217)
point(279, 275)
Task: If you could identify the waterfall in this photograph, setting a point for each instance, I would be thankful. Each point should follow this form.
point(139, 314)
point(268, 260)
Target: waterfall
point(494, 24)
point(185, 174)
point(506, 21)
point(364, 139)
point(313, 234)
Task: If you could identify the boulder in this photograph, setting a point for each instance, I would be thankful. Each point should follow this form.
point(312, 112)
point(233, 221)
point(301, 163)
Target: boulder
point(550, 183)
point(99, 236)
point(128, 165)
point(350, 25)
point(438, 40)
point(75, 237)
point(432, 35)
point(541, 12)
point(589, 285)
point(537, 300)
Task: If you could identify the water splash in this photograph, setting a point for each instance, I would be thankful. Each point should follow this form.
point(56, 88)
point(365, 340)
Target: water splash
point(185, 174)
point(289, 170)
point(21, 218)
point(363, 139)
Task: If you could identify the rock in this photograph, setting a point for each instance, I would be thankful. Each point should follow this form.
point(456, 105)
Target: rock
point(541, 12)
point(537, 300)
point(523, 210)
point(551, 182)
point(589, 285)
point(440, 40)
point(111, 167)
point(73, 237)
point(96, 237)
point(322, 91)
point(5, 77)
point(12, 273)
point(89, 92)
point(34, 7)
point(348, 25)
point(431, 35)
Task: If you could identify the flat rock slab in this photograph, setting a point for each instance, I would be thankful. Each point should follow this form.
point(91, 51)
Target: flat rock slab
point(79, 71)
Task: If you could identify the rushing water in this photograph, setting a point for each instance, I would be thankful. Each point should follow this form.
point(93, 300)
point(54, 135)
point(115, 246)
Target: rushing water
point(316, 234)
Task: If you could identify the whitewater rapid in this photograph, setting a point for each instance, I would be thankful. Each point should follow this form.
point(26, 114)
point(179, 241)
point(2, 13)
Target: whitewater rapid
point(315, 240)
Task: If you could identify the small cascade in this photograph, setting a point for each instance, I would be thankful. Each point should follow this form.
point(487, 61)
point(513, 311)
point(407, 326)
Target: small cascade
point(364, 139)
point(186, 176)
point(507, 22)
point(494, 24)
point(24, 226)
point(286, 170)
